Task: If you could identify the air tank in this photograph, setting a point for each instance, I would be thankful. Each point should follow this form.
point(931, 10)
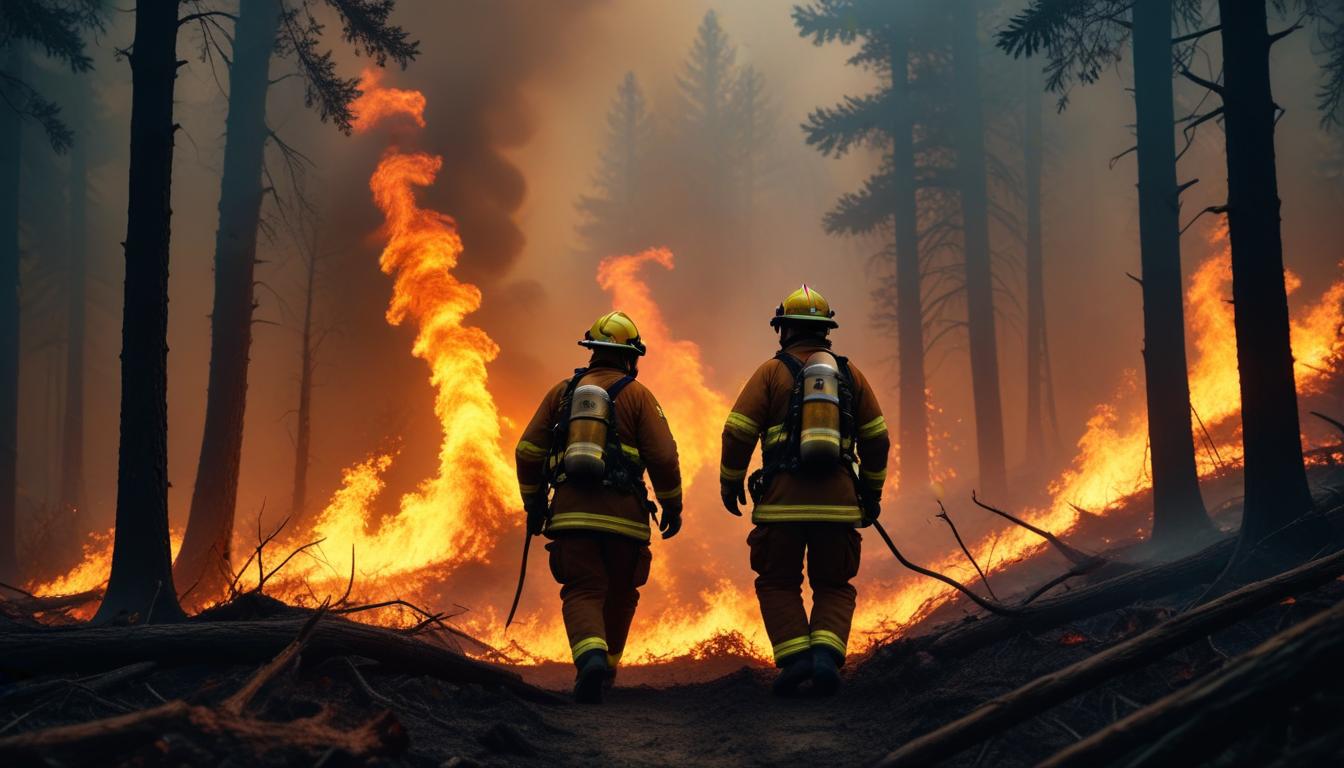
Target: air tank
point(819, 439)
point(585, 450)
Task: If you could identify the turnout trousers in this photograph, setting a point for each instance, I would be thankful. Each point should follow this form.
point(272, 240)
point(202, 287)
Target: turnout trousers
point(832, 553)
point(600, 575)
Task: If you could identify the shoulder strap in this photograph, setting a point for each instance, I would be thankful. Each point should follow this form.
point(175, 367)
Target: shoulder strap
point(794, 365)
point(618, 386)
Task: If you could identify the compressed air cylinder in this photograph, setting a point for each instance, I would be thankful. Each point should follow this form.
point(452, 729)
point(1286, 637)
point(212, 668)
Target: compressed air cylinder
point(584, 451)
point(819, 440)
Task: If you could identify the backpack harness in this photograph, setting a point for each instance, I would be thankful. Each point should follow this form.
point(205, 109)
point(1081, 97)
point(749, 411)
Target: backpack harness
point(784, 456)
point(622, 474)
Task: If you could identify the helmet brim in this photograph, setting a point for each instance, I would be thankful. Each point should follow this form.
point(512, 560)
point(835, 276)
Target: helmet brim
point(612, 345)
point(779, 319)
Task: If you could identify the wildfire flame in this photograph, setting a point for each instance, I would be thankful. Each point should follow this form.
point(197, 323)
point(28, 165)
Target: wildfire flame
point(700, 584)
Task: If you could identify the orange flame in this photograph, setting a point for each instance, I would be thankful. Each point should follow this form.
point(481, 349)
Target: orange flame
point(376, 103)
point(457, 515)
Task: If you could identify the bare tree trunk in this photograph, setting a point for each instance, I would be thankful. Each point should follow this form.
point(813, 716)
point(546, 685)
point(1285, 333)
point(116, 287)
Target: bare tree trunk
point(1178, 508)
point(10, 129)
point(970, 143)
point(914, 414)
point(1037, 372)
point(141, 584)
point(1276, 481)
point(303, 435)
point(203, 564)
point(71, 491)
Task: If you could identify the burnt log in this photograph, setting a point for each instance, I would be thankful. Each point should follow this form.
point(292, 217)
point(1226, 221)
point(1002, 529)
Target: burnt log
point(1200, 720)
point(239, 642)
point(1057, 687)
point(962, 638)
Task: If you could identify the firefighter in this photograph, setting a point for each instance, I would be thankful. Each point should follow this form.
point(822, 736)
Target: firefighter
point(824, 460)
point(591, 441)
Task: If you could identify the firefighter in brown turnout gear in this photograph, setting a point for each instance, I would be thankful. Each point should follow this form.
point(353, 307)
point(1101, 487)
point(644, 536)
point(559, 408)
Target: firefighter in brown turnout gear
point(591, 441)
point(824, 460)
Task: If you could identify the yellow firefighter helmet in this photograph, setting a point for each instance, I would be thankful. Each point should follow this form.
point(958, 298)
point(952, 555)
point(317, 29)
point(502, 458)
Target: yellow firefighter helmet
point(805, 305)
point(614, 330)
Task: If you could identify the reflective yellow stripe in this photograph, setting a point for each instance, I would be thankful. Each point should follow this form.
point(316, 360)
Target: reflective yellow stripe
point(874, 479)
point(587, 521)
point(742, 426)
point(587, 644)
point(731, 475)
point(528, 450)
point(528, 490)
point(632, 453)
point(796, 513)
point(873, 428)
point(613, 659)
point(829, 639)
point(773, 435)
point(792, 646)
point(820, 436)
point(672, 494)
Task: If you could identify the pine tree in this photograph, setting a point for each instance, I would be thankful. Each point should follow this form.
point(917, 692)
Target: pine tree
point(614, 218)
point(1079, 40)
point(57, 28)
point(263, 28)
point(887, 202)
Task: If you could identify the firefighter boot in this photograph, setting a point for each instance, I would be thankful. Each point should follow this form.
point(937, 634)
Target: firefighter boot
point(592, 672)
point(795, 672)
point(825, 671)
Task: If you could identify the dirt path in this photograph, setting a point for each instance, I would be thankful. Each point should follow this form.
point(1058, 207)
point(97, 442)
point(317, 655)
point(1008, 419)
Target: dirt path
point(732, 721)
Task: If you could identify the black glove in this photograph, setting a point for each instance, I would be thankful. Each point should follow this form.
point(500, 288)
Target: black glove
point(732, 495)
point(872, 509)
point(537, 508)
point(670, 521)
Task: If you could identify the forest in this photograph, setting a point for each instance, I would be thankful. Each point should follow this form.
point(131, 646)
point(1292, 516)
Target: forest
point(282, 283)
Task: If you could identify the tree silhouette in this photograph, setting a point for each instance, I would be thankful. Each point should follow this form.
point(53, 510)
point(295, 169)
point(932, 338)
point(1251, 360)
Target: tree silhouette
point(262, 29)
point(887, 120)
point(57, 28)
point(614, 219)
point(1079, 39)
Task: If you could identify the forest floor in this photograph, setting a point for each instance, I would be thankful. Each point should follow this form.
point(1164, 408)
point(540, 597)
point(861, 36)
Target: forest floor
point(888, 698)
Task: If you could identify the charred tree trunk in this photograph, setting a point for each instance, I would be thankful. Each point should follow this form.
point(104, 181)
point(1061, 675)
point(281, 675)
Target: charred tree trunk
point(303, 434)
point(914, 414)
point(141, 583)
point(969, 136)
point(1037, 371)
point(1276, 480)
point(10, 125)
point(71, 492)
point(203, 564)
point(1178, 508)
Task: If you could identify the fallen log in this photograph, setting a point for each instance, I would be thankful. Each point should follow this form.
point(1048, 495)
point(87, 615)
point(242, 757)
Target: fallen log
point(1049, 690)
point(88, 742)
point(100, 648)
point(970, 634)
point(96, 683)
point(1200, 720)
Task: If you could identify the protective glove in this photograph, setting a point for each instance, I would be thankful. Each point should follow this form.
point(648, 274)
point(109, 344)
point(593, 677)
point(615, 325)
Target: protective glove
point(670, 521)
point(872, 509)
point(732, 495)
point(537, 508)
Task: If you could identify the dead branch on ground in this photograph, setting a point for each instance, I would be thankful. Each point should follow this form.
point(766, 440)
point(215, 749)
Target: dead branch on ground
point(94, 648)
point(383, 735)
point(1039, 695)
point(1200, 720)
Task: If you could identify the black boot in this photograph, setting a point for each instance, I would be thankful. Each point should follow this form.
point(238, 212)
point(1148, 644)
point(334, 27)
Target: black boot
point(592, 672)
point(795, 670)
point(825, 671)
